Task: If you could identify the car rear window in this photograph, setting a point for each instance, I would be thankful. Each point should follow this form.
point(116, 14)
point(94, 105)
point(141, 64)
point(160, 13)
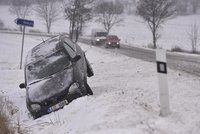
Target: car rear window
point(112, 37)
point(100, 34)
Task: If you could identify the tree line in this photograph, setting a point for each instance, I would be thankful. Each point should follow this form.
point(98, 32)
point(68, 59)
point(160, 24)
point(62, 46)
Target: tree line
point(77, 12)
point(107, 13)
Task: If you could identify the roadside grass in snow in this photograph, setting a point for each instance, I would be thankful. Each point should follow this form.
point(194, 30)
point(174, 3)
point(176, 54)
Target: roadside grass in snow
point(5, 124)
point(179, 49)
point(4, 127)
point(10, 118)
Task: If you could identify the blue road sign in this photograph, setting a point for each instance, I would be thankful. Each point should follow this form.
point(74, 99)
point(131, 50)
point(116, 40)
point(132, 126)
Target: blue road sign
point(24, 22)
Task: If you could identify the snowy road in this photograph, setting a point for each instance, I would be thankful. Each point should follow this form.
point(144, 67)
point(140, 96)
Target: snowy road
point(179, 61)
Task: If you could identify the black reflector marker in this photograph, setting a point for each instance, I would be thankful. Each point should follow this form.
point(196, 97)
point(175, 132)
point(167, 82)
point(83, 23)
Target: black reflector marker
point(161, 67)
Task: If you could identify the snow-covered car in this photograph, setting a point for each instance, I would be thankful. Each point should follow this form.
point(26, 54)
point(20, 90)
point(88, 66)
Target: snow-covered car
point(112, 41)
point(55, 74)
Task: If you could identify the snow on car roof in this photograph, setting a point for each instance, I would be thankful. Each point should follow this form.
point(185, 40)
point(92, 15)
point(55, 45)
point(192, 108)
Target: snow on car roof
point(42, 50)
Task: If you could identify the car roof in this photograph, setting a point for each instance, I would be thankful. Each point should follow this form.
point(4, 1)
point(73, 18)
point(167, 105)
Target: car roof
point(43, 49)
point(49, 47)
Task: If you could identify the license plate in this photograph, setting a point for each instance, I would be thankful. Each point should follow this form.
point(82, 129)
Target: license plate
point(58, 106)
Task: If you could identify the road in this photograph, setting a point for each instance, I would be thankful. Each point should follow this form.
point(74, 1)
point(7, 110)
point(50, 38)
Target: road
point(184, 62)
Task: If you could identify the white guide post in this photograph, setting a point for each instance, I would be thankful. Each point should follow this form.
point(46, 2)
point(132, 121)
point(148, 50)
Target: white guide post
point(163, 83)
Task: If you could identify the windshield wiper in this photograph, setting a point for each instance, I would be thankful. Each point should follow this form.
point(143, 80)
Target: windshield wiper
point(38, 80)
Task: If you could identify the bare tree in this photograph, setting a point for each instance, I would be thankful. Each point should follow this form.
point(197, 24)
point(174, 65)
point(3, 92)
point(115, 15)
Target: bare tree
point(109, 14)
point(193, 35)
point(155, 13)
point(48, 11)
point(21, 8)
point(77, 12)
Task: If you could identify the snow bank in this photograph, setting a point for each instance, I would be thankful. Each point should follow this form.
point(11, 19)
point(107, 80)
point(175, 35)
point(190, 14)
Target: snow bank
point(125, 98)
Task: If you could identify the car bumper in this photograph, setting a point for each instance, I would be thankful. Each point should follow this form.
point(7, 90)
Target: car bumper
point(100, 42)
point(47, 108)
point(56, 102)
point(113, 44)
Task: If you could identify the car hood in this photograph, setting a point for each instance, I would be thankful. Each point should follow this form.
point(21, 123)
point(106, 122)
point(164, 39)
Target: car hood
point(49, 87)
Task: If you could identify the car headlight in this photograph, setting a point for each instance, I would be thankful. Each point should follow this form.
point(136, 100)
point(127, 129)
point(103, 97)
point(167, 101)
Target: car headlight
point(73, 87)
point(35, 107)
point(109, 43)
point(117, 43)
point(98, 39)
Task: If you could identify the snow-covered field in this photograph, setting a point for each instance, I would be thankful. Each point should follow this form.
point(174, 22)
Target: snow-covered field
point(125, 99)
point(132, 31)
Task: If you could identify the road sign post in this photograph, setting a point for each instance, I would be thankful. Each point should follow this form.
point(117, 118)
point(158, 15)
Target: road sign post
point(22, 48)
point(23, 23)
point(163, 83)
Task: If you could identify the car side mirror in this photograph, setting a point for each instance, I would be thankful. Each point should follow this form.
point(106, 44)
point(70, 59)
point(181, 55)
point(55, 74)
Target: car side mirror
point(76, 58)
point(22, 85)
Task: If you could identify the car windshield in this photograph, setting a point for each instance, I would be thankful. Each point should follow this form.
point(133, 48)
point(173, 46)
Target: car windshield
point(46, 67)
point(100, 34)
point(112, 37)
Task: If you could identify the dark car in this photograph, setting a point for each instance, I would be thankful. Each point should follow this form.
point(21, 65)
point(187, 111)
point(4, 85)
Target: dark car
point(112, 41)
point(55, 74)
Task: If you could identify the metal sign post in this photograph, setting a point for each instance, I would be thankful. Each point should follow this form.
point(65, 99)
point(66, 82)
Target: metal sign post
point(23, 23)
point(22, 49)
point(163, 83)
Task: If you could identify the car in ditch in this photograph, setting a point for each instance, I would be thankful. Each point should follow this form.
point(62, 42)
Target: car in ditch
point(112, 41)
point(56, 73)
